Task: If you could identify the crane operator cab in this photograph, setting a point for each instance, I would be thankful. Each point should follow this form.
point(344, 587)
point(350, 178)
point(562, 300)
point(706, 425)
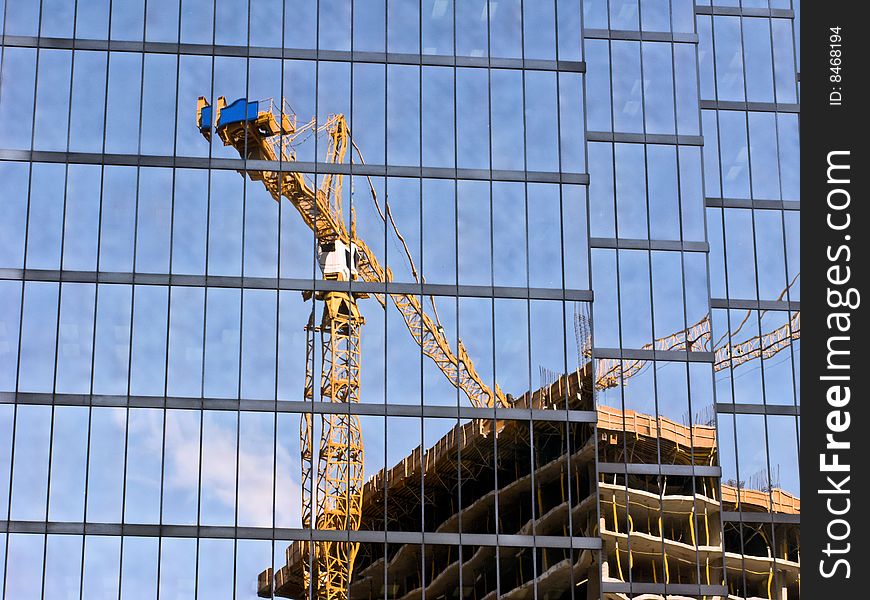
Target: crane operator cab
point(242, 110)
point(338, 260)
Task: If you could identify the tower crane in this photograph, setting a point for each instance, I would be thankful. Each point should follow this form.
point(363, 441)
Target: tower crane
point(264, 131)
point(611, 372)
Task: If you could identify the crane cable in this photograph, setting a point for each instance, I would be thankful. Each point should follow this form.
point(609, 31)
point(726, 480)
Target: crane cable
point(387, 217)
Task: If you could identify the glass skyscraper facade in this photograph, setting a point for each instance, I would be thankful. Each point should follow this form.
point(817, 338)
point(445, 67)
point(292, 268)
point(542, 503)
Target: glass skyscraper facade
point(749, 81)
point(505, 302)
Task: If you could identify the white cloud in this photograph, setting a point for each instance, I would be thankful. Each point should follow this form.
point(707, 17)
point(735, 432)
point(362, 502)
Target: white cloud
point(218, 473)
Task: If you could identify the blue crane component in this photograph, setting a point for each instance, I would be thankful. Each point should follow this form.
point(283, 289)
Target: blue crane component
point(240, 110)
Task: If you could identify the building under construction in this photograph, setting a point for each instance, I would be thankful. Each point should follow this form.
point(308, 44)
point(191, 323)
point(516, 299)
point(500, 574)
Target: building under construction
point(654, 529)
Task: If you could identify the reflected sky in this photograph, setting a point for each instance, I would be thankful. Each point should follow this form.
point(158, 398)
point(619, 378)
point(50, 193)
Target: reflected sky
point(242, 467)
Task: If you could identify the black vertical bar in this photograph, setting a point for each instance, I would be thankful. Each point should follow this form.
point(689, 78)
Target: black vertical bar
point(834, 182)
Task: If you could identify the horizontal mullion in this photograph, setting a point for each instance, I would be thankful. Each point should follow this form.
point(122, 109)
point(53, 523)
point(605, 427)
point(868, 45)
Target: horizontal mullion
point(737, 11)
point(644, 138)
point(639, 244)
point(238, 164)
point(640, 354)
point(664, 589)
point(742, 304)
point(20, 41)
point(757, 409)
point(645, 36)
point(759, 517)
point(292, 534)
point(755, 204)
point(659, 469)
point(302, 285)
point(298, 407)
point(782, 107)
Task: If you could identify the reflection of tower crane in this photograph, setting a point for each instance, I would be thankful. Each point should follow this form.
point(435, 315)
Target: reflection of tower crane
point(611, 372)
point(265, 132)
point(271, 134)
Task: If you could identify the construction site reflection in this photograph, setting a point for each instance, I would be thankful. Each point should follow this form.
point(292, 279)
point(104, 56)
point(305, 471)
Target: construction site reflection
point(538, 478)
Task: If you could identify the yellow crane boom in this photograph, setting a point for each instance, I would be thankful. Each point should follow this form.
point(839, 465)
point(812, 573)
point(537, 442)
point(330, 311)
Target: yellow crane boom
point(265, 135)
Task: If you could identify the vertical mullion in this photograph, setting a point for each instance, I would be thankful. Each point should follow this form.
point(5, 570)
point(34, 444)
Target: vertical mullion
point(497, 511)
point(2, 62)
point(456, 299)
point(59, 302)
point(717, 483)
point(314, 487)
point(132, 291)
point(242, 307)
point(566, 437)
point(685, 294)
point(591, 306)
point(422, 419)
point(348, 416)
point(758, 313)
point(649, 255)
point(616, 262)
point(275, 412)
point(57, 324)
point(96, 306)
point(529, 424)
point(782, 212)
point(727, 291)
point(796, 55)
point(201, 410)
point(169, 298)
point(386, 303)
